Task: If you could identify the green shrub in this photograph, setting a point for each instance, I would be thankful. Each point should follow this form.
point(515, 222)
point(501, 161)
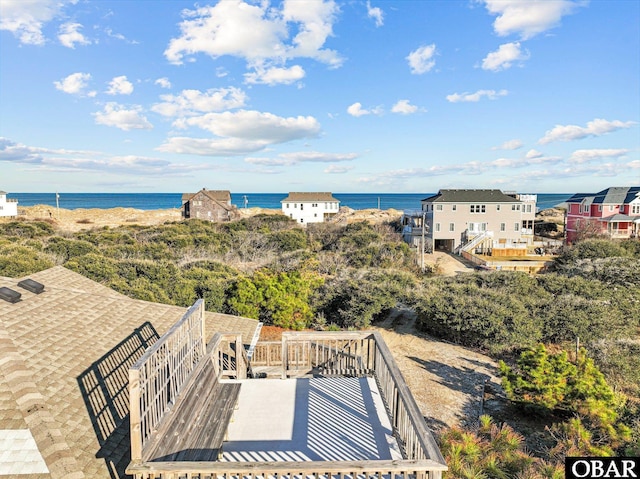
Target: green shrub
point(17, 261)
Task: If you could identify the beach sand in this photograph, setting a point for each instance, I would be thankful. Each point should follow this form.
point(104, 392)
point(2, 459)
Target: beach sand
point(86, 219)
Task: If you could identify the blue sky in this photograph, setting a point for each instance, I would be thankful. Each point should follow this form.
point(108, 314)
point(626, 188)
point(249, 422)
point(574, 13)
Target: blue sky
point(300, 95)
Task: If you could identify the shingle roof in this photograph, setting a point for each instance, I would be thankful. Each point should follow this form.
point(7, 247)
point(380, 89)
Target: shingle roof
point(471, 196)
point(617, 195)
point(64, 356)
point(309, 196)
point(216, 195)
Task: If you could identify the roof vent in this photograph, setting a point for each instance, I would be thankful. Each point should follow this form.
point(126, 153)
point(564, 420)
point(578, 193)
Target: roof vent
point(31, 285)
point(9, 295)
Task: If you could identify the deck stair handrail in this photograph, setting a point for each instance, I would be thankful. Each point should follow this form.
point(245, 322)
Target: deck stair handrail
point(475, 241)
point(159, 375)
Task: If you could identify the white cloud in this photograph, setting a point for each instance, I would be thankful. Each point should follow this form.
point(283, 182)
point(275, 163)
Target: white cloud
point(65, 161)
point(318, 157)
point(376, 13)
point(586, 156)
point(17, 152)
point(274, 75)
point(120, 86)
point(192, 102)
point(289, 159)
point(240, 132)
point(504, 57)
point(509, 145)
point(533, 154)
point(336, 170)
point(357, 110)
point(75, 84)
point(163, 82)
point(255, 126)
point(635, 164)
point(69, 35)
point(473, 97)
point(25, 19)
point(421, 60)
point(212, 146)
point(258, 33)
point(404, 107)
point(119, 116)
point(596, 127)
point(528, 18)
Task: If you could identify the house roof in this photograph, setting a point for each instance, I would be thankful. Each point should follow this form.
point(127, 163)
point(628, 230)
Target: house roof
point(64, 359)
point(620, 219)
point(215, 195)
point(471, 196)
point(578, 197)
point(309, 196)
point(617, 195)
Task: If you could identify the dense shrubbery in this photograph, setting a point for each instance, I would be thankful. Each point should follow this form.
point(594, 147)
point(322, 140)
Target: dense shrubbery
point(348, 276)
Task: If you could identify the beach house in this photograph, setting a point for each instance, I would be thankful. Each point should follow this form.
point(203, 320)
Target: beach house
point(309, 207)
point(169, 392)
point(478, 219)
point(8, 207)
point(613, 212)
point(211, 205)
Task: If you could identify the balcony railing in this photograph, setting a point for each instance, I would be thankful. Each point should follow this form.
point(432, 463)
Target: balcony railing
point(352, 353)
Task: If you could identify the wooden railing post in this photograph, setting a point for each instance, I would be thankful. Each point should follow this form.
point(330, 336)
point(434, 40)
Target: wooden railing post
point(203, 336)
point(285, 356)
point(241, 365)
point(134, 416)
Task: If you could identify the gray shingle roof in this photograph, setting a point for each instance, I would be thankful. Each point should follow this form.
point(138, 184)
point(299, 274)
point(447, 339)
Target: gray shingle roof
point(64, 355)
point(471, 196)
point(616, 195)
point(216, 195)
point(309, 196)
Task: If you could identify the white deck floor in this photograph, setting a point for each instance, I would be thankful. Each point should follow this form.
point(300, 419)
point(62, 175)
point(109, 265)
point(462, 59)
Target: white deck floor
point(310, 419)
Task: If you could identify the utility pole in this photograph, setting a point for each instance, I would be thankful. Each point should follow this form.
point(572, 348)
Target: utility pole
point(422, 250)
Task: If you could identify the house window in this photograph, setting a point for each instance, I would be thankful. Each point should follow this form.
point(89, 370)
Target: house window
point(439, 207)
point(301, 206)
point(611, 207)
point(516, 226)
point(437, 226)
point(301, 220)
point(503, 227)
point(315, 215)
point(452, 226)
point(478, 208)
point(528, 208)
point(635, 209)
point(497, 207)
point(287, 205)
point(600, 208)
point(454, 207)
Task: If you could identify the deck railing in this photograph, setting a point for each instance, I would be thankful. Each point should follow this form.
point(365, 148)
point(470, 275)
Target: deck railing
point(156, 379)
point(349, 353)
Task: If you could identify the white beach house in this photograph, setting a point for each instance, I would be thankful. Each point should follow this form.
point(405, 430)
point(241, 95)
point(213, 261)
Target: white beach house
point(8, 207)
point(310, 207)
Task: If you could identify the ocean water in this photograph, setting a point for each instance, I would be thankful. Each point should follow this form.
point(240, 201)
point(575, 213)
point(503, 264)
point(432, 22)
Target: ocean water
point(161, 201)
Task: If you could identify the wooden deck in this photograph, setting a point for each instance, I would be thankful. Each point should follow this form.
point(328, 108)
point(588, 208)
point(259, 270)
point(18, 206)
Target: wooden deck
point(180, 408)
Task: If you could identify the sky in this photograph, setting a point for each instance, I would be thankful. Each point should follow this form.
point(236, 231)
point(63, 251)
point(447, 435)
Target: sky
point(405, 96)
